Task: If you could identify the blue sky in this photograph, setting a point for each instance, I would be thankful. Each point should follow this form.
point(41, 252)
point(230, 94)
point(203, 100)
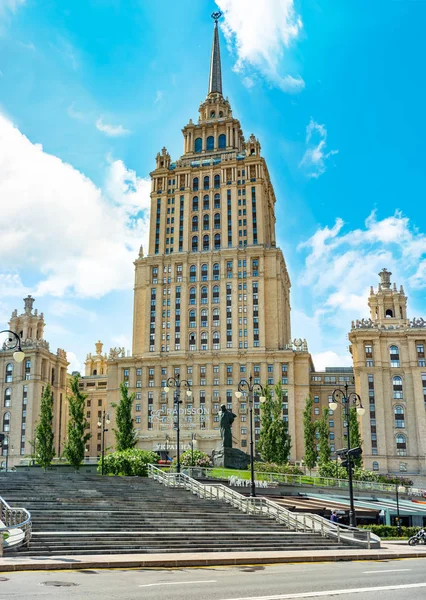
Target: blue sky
point(90, 90)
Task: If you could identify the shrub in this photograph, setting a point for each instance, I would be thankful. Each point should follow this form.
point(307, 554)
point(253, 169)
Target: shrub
point(132, 462)
point(201, 459)
point(269, 467)
point(387, 531)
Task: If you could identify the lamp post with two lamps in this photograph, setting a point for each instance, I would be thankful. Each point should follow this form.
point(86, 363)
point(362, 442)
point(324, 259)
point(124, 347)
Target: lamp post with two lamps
point(251, 388)
point(101, 423)
point(344, 399)
point(176, 382)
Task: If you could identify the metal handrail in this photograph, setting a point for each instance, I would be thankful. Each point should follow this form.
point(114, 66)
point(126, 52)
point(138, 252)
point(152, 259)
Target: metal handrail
point(264, 506)
point(15, 518)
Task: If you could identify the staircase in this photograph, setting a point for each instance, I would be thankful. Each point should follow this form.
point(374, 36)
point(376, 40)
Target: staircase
point(89, 514)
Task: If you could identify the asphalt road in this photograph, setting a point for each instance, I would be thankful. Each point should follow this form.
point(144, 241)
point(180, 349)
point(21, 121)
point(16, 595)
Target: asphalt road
point(378, 580)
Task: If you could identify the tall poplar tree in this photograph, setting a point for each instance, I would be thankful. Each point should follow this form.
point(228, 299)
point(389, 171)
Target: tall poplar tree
point(309, 430)
point(355, 434)
point(274, 441)
point(324, 435)
point(125, 435)
point(77, 434)
point(44, 434)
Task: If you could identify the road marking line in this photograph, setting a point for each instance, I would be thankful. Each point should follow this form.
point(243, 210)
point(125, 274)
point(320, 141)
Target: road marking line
point(388, 571)
point(177, 583)
point(383, 588)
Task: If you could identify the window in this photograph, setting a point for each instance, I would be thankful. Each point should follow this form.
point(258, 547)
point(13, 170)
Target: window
point(195, 243)
point(206, 242)
point(6, 422)
point(192, 295)
point(222, 140)
point(206, 202)
point(394, 356)
point(216, 340)
point(203, 321)
point(206, 222)
point(192, 342)
point(9, 372)
point(195, 223)
point(217, 241)
point(204, 295)
point(217, 182)
point(204, 272)
point(198, 145)
point(399, 417)
point(204, 342)
point(7, 396)
point(401, 445)
point(375, 465)
point(195, 203)
point(210, 143)
point(216, 272)
point(216, 317)
point(217, 221)
point(397, 387)
point(192, 273)
point(216, 201)
point(192, 319)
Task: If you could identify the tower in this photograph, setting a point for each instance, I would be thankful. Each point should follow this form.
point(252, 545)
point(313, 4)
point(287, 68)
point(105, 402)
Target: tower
point(212, 294)
point(388, 351)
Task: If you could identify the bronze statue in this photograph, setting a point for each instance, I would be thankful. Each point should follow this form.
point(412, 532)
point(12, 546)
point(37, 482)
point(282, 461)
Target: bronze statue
point(226, 420)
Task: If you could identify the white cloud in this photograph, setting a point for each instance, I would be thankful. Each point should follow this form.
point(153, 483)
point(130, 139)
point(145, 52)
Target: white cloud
point(340, 267)
point(122, 341)
point(315, 155)
point(158, 96)
point(77, 238)
point(11, 285)
point(75, 114)
point(331, 359)
point(260, 32)
point(60, 308)
point(75, 363)
point(10, 5)
point(111, 130)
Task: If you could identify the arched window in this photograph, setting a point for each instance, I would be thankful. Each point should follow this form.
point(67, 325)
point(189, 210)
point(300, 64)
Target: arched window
point(397, 387)
point(7, 397)
point(217, 181)
point(195, 223)
point(204, 272)
point(204, 340)
point(195, 243)
point(399, 417)
point(6, 422)
point(206, 202)
point(217, 201)
point(9, 373)
point(216, 317)
point(203, 318)
point(198, 145)
point(389, 313)
point(192, 273)
point(217, 241)
point(212, 114)
point(192, 342)
point(204, 295)
point(206, 222)
point(221, 113)
point(394, 356)
point(216, 340)
point(375, 466)
point(193, 296)
point(210, 143)
point(206, 242)
point(216, 298)
point(195, 203)
point(217, 221)
point(95, 372)
point(206, 182)
point(192, 319)
point(222, 140)
point(195, 184)
point(216, 272)
point(401, 445)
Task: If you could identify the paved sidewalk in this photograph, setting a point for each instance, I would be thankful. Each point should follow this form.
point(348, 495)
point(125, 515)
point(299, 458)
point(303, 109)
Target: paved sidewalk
point(390, 550)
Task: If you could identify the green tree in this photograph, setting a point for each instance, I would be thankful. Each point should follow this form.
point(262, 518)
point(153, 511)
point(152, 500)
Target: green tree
point(43, 445)
point(77, 426)
point(355, 434)
point(125, 435)
point(324, 434)
point(275, 441)
point(309, 429)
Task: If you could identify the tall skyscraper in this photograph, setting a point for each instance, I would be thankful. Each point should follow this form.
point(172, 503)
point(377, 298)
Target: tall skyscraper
point(212, 295)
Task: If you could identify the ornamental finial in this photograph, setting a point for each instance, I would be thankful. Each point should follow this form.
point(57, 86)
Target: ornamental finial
point(216, 16)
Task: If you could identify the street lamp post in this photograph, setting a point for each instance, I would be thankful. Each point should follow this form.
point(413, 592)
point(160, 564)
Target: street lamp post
point(250, 388)
point(15, 344)
point(193, 443)
point(101, 423)
point(344, 399)
point(397, 510)
point(176, 383)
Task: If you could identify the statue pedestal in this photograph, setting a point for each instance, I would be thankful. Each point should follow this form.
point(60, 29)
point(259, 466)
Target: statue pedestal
point(231, 458)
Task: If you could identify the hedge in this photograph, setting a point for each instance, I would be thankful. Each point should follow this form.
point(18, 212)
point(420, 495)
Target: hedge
point(387, 531)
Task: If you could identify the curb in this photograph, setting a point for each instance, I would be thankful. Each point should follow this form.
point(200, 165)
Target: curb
point(111, 563)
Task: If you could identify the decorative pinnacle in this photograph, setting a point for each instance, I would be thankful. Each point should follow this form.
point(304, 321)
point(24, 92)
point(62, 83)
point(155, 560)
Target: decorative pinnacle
point(216, 16)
